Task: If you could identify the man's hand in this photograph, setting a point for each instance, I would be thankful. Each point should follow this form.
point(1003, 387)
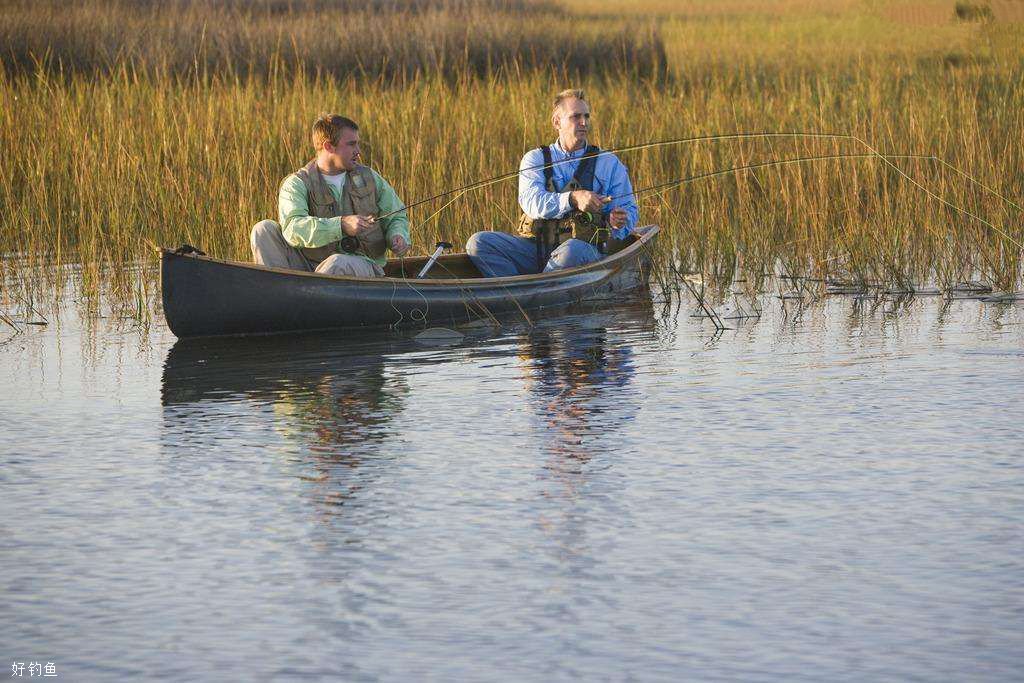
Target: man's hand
point(353, 226)
point(617, 218)
point(585, 200)
point(399, 245)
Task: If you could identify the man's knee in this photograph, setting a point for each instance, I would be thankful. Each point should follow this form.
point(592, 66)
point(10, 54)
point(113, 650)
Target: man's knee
point(478, 242)
point(264, 231)
point(347, 264)
point(577, 249)
point(573, 253)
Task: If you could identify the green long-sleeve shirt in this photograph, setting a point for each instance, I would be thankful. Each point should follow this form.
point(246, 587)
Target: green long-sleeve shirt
point(302, 230)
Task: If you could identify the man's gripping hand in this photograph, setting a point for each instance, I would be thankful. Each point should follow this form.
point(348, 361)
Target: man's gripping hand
point(617, 218)
point(585, 200)
point(353, 226)
point(399, 245)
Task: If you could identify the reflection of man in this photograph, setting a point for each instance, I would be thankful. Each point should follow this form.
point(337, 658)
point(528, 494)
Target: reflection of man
point(579, 385)
point(332, 408)
point(315, 382)
point(570, 209)
point(326, 211)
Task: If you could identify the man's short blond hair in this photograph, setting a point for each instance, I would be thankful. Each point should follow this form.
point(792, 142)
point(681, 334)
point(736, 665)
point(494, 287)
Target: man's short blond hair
point(328, 128)
point(571, 93)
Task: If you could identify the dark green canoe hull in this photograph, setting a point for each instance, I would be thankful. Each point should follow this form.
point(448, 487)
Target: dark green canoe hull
point(203, 296)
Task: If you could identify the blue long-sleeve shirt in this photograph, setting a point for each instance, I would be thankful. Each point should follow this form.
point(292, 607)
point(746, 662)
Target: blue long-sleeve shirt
point(610, 178)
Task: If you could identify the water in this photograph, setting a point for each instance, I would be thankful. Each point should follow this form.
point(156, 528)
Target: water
point(833, 493)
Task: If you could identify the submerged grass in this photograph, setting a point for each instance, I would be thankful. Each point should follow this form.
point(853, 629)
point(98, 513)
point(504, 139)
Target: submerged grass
point(103, 159)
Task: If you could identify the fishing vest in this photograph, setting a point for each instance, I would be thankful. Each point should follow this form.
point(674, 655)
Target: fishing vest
point(358, 197)
point(580, 225)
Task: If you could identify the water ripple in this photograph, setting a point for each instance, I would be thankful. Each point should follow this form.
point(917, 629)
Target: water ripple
point(829, 496)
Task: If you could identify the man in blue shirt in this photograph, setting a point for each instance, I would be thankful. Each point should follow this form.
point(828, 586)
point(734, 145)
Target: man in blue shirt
point(574, 200)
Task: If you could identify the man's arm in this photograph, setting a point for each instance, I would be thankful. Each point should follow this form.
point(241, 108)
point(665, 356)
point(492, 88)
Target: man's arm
point(534, 198)
point(297, 226)
point(396, 227)
point(388, 201)
point(619, 185)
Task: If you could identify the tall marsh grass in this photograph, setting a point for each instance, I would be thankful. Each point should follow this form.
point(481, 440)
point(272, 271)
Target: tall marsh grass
point(368, 38)
point(100, 165)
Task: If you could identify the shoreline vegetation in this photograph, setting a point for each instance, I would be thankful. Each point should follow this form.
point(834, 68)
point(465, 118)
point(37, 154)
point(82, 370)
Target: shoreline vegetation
point(131, 124)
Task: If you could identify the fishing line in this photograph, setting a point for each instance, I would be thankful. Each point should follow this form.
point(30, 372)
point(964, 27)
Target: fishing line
point(476, 300)
point(604, 152)
point(979, 183)
point(740, 136)
point(941, 199)
point(431, 216)
point(775, 162)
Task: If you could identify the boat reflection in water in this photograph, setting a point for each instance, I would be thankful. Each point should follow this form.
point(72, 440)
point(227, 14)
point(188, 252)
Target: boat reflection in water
point(327, 409)
point(323, 403)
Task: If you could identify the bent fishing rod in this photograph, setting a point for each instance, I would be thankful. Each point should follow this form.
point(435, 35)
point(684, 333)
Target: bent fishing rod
point(662, 187)
point(764, 164)
point(479, 184)
point(872, 152)
point(441, 246)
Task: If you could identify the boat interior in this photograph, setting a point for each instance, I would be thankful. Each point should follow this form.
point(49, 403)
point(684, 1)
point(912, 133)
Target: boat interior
point(447, 267)
point(457, 266)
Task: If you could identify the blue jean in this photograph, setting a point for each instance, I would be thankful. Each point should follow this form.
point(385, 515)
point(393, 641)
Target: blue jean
point(499, 254)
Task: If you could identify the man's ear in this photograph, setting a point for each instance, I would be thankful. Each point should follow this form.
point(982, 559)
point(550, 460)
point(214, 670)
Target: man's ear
point(554, 120)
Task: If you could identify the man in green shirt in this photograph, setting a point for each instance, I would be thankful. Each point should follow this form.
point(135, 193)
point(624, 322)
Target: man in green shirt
point(327, 211)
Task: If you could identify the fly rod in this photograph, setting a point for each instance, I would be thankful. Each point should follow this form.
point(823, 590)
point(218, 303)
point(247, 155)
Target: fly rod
point(774, 162)
point(741, 136)
point(628, 148)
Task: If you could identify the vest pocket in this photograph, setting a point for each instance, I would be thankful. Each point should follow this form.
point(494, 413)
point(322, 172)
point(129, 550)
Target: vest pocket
point(372, 241)
point(322, 205)
point(363, 199)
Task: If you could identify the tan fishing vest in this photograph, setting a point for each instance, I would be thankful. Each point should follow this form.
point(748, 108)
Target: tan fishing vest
point(358, 197)
point(577, 224)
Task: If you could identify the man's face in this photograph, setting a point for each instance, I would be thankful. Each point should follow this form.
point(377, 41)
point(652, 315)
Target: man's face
point(346, 152)
point(572, 120)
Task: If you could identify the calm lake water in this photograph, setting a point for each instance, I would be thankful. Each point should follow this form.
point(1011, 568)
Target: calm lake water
point(833, 493)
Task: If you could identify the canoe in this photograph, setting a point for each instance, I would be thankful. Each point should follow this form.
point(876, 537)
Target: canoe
point(204, 296)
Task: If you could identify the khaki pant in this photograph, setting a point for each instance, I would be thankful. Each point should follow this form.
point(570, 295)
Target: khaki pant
point(269, 248)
